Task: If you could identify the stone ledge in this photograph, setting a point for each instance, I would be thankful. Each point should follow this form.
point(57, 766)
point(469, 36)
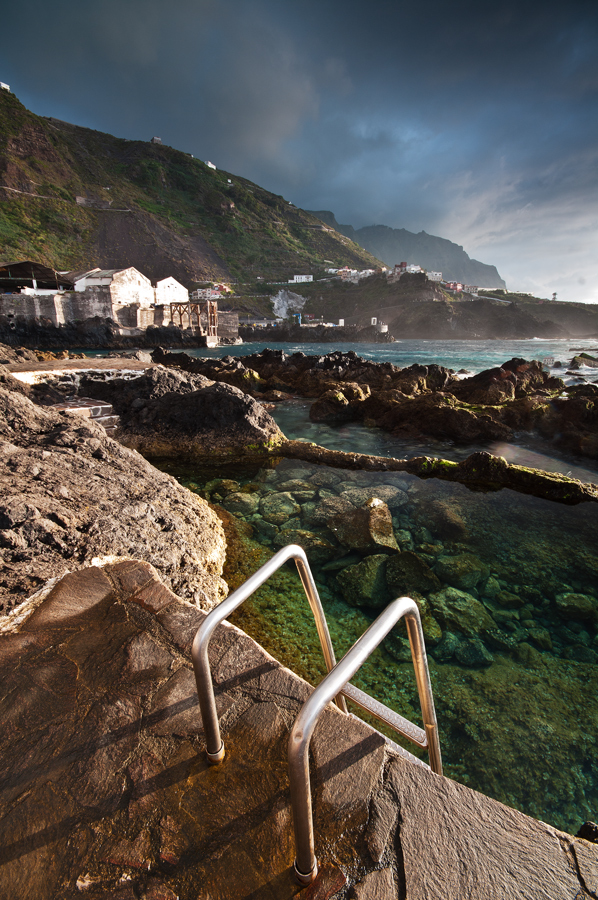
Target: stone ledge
point(105, 790)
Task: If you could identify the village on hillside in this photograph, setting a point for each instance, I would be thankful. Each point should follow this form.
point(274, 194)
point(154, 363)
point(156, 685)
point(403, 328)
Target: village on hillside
point(31, 291)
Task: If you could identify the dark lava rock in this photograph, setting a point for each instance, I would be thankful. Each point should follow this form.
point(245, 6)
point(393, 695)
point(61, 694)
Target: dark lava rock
point(472, 652)
point(333, 408)
point(365, 583)
point(589, 832)
point(407, 572)
point(445, 649)
point(171, 414)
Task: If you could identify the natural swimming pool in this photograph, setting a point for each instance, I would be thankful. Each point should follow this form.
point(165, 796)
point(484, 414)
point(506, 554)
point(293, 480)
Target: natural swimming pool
point(507, 585)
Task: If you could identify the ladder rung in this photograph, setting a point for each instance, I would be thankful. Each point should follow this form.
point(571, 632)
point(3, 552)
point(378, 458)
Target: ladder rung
point(397, 748)
point(412, 732)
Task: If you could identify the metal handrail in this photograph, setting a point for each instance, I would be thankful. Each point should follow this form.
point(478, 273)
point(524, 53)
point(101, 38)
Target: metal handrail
point(306, 865)
point(199, 651)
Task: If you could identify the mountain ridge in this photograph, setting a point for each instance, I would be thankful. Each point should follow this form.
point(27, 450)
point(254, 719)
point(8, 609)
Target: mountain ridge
point(394, 245)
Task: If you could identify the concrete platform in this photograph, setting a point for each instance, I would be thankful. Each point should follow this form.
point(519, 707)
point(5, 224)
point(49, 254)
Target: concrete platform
point(30, 373)
point(105, 791)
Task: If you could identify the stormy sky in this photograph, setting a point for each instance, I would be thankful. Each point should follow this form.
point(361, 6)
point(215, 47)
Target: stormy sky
point(477, 122)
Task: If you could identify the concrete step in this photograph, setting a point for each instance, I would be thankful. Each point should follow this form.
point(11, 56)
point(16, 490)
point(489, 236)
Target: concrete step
point(85, 406)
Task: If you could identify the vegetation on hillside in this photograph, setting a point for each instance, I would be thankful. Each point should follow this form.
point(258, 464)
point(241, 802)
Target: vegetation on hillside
point(165, 207)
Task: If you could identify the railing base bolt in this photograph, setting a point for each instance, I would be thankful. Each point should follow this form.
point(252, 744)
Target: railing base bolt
point(215, 758)
point(306, 879)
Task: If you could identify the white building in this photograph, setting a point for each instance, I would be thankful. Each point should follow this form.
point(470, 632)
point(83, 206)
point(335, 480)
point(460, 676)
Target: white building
point(413, 270)
point(169, 290)
point(434, 276)
point(300, 279)
point(126, 286)
point(210, 165)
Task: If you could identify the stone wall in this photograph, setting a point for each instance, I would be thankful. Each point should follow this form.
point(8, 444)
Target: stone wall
point(228, 324)
point(76, 306)
point(58, 308)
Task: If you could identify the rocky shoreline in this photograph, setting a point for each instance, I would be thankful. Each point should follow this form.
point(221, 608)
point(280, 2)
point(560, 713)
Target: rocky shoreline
point(370, 527)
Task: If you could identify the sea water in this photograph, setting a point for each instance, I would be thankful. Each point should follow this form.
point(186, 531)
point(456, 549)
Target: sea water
point(522, 724)
point(474, 356)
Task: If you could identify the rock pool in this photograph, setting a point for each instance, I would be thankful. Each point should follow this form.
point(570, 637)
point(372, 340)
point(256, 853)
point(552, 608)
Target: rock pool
point(508, 589)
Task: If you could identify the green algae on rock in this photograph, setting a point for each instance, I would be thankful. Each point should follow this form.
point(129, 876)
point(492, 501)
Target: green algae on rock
point(513, 676)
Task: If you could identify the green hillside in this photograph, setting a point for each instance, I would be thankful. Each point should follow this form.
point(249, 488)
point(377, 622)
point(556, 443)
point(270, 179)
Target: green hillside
point(166, 212)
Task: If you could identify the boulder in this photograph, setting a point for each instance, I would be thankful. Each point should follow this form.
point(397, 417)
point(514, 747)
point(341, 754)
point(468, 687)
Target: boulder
point(407, 572)
point(318, 549)
point(577, 606)
point(464, 571)
point(72, 495)
point(441, 519)
point(278, 507)
point(326, 509)
point(242, 504)
point(458, 611)
point(332, 408)
point(367, 528)
point(171, 414)
point(393, 497)
point(472, 652)
point(364, 584)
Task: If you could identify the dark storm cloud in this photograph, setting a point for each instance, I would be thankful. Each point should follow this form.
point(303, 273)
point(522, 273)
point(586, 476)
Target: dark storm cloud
point(471, 121)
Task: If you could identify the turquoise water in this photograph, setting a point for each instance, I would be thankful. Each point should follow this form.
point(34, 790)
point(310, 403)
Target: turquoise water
point(471, 355)
point(292, 417)
point(515, 677)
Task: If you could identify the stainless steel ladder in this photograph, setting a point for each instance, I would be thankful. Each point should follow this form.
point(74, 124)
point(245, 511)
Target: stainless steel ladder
point(334, 686)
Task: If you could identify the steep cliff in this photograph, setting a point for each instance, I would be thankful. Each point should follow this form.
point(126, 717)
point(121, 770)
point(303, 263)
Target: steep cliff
point(394, 245)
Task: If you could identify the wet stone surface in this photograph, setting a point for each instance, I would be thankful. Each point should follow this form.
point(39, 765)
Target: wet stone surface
point(105, 790)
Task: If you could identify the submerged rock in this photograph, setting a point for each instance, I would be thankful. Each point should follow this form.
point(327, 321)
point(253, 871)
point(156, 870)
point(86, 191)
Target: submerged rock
point(472, 652)
point(464, 571)
point(364, 584)
point(318, 549)
point(577, 606)
point(366, 528)
point(277, 508)
point(460, 612)
point(407, 572)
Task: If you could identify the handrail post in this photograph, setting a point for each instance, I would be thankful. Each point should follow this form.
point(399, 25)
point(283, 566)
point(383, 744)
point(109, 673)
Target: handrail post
point(306, 866)
point(199, 650)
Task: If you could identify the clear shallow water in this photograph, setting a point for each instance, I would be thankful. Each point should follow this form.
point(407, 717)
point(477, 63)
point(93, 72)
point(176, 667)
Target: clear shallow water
point(292, 417)
point(524, 727)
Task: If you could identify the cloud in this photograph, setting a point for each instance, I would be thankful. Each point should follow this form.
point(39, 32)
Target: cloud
point(471, 121)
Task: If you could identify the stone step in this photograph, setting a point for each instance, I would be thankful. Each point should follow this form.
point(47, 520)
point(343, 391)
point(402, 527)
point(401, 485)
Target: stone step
point(107, 421)
point(85, 406)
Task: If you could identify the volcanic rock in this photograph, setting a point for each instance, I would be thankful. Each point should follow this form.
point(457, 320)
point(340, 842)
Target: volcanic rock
point(407, 572)
point(367, 528)
point(365, 583)
point(71, 494)
point(458, 611)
